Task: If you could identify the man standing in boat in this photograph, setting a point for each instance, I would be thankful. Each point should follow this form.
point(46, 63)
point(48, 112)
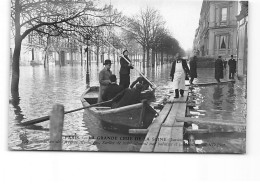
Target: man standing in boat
point(112, 90)
point(232, 67)
point(104, 78)
point(179, 72)
point(218, 69)
point(125, 70)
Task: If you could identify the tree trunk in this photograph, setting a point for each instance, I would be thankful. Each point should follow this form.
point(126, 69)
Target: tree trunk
point(143, 56)
point(161, 57)
point(17, 51)
point(97, 55)
point(153, 58)
point(16, 67)
point(81, 56)
point(148, 59)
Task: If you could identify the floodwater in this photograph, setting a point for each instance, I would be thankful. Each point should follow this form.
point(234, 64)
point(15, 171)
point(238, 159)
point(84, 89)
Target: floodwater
point(40, 88)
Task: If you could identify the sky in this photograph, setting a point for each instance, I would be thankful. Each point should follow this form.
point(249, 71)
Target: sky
point(181, 16)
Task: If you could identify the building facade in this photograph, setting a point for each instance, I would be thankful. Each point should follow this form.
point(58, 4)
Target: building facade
point(242, 20)
point(217, 31)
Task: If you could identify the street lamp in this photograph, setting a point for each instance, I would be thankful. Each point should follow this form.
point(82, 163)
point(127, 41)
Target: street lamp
point(86, 51)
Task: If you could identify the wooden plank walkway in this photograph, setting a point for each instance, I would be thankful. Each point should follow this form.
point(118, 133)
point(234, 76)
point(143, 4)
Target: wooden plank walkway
point(165, 133)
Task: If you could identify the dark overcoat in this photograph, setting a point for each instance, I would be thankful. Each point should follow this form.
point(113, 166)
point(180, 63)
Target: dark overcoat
point(111, 91)
point(130, 96)
point(193, 67)
point(219, 69)
point(185, 67)
point(125, 68)
point(232, 65)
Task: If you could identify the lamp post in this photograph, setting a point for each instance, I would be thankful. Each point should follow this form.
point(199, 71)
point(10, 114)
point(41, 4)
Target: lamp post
point(86, 51)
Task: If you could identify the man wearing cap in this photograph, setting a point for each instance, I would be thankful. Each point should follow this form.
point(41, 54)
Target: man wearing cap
point(179, 72)
point(143, 81)
point(232, 67)
point(104, 78)
point(125, 70)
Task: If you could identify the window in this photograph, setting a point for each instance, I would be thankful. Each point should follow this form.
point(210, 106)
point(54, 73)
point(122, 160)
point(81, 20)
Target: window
point(223, 42)
point(223, 14)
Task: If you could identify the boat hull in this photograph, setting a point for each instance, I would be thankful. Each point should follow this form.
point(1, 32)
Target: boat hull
point(133, 116)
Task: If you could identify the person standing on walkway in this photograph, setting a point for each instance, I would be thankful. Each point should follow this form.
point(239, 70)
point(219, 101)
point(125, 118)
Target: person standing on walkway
point(193, 69)
point(104, 80)
point(232, 67)
point(218, 69)
point(125, 70)
point(178, 74)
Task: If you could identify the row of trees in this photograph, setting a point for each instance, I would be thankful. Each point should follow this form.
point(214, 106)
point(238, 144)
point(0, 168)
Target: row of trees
point(148, 29)
point(81, 21)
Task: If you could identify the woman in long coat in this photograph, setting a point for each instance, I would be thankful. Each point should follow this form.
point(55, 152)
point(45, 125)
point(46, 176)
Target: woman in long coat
point(219, 69)
point(193, 69)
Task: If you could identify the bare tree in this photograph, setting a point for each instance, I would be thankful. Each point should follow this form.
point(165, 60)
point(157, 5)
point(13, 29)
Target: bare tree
point(50, 17)
point(144, 28)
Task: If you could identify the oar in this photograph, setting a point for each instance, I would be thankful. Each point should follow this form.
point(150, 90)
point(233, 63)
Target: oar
point(45, 118)
point(153, 85)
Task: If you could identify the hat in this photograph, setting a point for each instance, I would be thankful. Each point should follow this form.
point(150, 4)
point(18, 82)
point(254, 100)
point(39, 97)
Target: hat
point(125, 51)
point(107, 62)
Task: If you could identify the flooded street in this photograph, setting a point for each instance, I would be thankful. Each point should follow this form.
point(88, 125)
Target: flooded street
point(41, 88)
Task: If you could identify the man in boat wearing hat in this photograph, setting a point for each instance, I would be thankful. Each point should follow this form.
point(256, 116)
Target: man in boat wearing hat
point(104, 80)
point(112, 90)
point(179, 72)
point(125, 70)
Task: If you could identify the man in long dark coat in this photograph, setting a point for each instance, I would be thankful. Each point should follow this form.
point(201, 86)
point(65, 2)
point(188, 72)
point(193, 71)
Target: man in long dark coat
point(125, 70)
point(179, 72)
point(219, 69)
point(232, 67)
point(193, 69)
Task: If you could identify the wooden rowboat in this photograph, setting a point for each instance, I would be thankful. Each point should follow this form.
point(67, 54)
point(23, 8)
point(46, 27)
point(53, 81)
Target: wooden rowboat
point(132, 116)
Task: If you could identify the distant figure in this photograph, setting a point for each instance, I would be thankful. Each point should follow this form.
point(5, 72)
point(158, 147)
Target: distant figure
point(232, 67)
point(193, 69)
point(218, 69)
point(125, 70)
point(225, 64)
point(130, 96)
point(104, 78)
point(179, 71)
point(143, 81)
point(112, 89)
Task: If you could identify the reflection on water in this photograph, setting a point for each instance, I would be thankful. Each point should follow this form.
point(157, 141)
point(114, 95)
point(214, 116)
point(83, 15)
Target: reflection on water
point(41, 88)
